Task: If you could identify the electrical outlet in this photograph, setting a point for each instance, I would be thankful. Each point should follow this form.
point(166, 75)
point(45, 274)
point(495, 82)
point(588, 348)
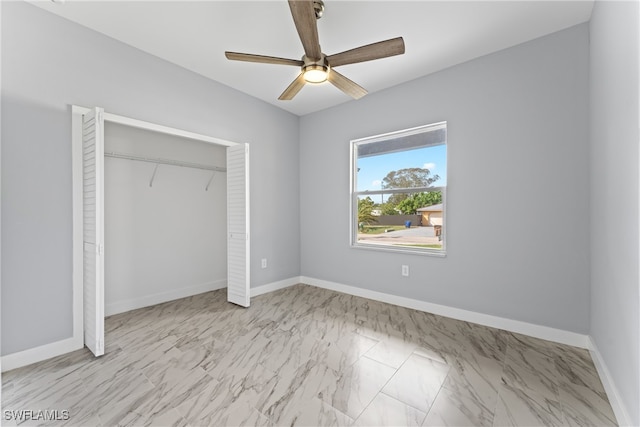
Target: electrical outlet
point(264, 263)
point(405, 270)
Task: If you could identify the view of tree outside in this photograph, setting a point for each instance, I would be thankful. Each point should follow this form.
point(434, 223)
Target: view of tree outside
point(365, 212)
point(408, 178)
point(412, 203)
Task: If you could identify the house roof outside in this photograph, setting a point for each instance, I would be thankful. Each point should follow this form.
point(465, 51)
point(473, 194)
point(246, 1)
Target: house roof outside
point(432, 208)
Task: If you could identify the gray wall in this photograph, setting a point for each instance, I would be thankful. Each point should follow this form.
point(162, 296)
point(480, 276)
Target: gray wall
point(48, 64)
point(517, 147)
point(615, 282)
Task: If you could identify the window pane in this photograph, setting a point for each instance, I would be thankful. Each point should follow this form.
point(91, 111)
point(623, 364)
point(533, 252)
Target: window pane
point(416, 221)
point(419, 167)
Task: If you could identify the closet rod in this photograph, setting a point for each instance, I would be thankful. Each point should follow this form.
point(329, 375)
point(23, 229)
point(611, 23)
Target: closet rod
point(165, 162)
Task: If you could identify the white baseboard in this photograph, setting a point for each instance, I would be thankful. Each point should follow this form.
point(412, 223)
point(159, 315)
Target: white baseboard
point(617, 405)
point(537, 331)
point(147, 300)
point(274, 286)
point(38, 354)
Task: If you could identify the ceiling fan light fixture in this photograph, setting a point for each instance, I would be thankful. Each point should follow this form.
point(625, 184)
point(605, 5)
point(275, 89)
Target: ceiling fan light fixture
point(315, 66)
point(315, 73)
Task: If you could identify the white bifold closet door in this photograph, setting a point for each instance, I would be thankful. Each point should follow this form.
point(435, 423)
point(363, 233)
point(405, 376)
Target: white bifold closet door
point(93, 229)
point(238, 225)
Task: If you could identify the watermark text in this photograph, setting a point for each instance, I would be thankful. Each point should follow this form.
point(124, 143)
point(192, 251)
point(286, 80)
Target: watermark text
point(22, 415)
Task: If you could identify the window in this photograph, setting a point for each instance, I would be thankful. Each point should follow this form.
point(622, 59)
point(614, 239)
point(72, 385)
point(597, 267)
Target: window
point(398, 190)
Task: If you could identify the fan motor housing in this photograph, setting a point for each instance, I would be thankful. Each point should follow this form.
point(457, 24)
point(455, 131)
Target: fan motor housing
point(318, 8)
point(315, 71)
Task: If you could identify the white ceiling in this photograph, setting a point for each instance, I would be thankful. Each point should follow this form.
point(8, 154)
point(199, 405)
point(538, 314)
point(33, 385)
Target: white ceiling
point(437, 34)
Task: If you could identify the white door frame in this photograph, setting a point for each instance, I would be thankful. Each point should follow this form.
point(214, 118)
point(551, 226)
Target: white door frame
point(76, 161)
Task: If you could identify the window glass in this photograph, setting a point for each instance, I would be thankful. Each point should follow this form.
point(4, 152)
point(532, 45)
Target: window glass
point(398, 190)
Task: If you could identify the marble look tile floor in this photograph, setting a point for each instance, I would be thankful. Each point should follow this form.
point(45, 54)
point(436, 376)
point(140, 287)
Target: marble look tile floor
point(310, 357)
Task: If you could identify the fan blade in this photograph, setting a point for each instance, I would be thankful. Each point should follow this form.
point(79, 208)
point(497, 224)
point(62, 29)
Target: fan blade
point(347, 86)
point(293, 88)
point(305, 19)
point(248, 57)
point(369, 52)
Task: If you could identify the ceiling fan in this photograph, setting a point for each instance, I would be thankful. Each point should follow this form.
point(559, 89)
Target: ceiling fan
point(316, 67)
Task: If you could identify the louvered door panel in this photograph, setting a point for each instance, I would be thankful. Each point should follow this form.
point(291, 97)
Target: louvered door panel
point(93, 230)
point(238, 225)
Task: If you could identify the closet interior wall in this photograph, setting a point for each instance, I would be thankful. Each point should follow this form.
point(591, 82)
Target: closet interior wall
point(165, 225)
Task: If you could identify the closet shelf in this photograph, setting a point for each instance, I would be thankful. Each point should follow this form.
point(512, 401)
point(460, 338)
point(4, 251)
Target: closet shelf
point(159, 161)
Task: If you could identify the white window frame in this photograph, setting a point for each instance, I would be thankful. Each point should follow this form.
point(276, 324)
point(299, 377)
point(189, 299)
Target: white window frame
point(355, 194)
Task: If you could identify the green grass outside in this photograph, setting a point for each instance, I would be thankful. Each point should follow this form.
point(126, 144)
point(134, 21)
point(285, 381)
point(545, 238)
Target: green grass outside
point(379, 229)
point(423, 246)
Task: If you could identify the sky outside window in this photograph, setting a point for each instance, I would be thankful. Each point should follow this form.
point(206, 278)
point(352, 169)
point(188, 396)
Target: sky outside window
point(373, 169)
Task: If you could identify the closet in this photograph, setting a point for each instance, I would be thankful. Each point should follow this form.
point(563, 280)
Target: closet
point(164, 214)
point(165, 217)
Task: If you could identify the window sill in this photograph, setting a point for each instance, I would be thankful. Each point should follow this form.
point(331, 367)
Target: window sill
point(400, 249)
